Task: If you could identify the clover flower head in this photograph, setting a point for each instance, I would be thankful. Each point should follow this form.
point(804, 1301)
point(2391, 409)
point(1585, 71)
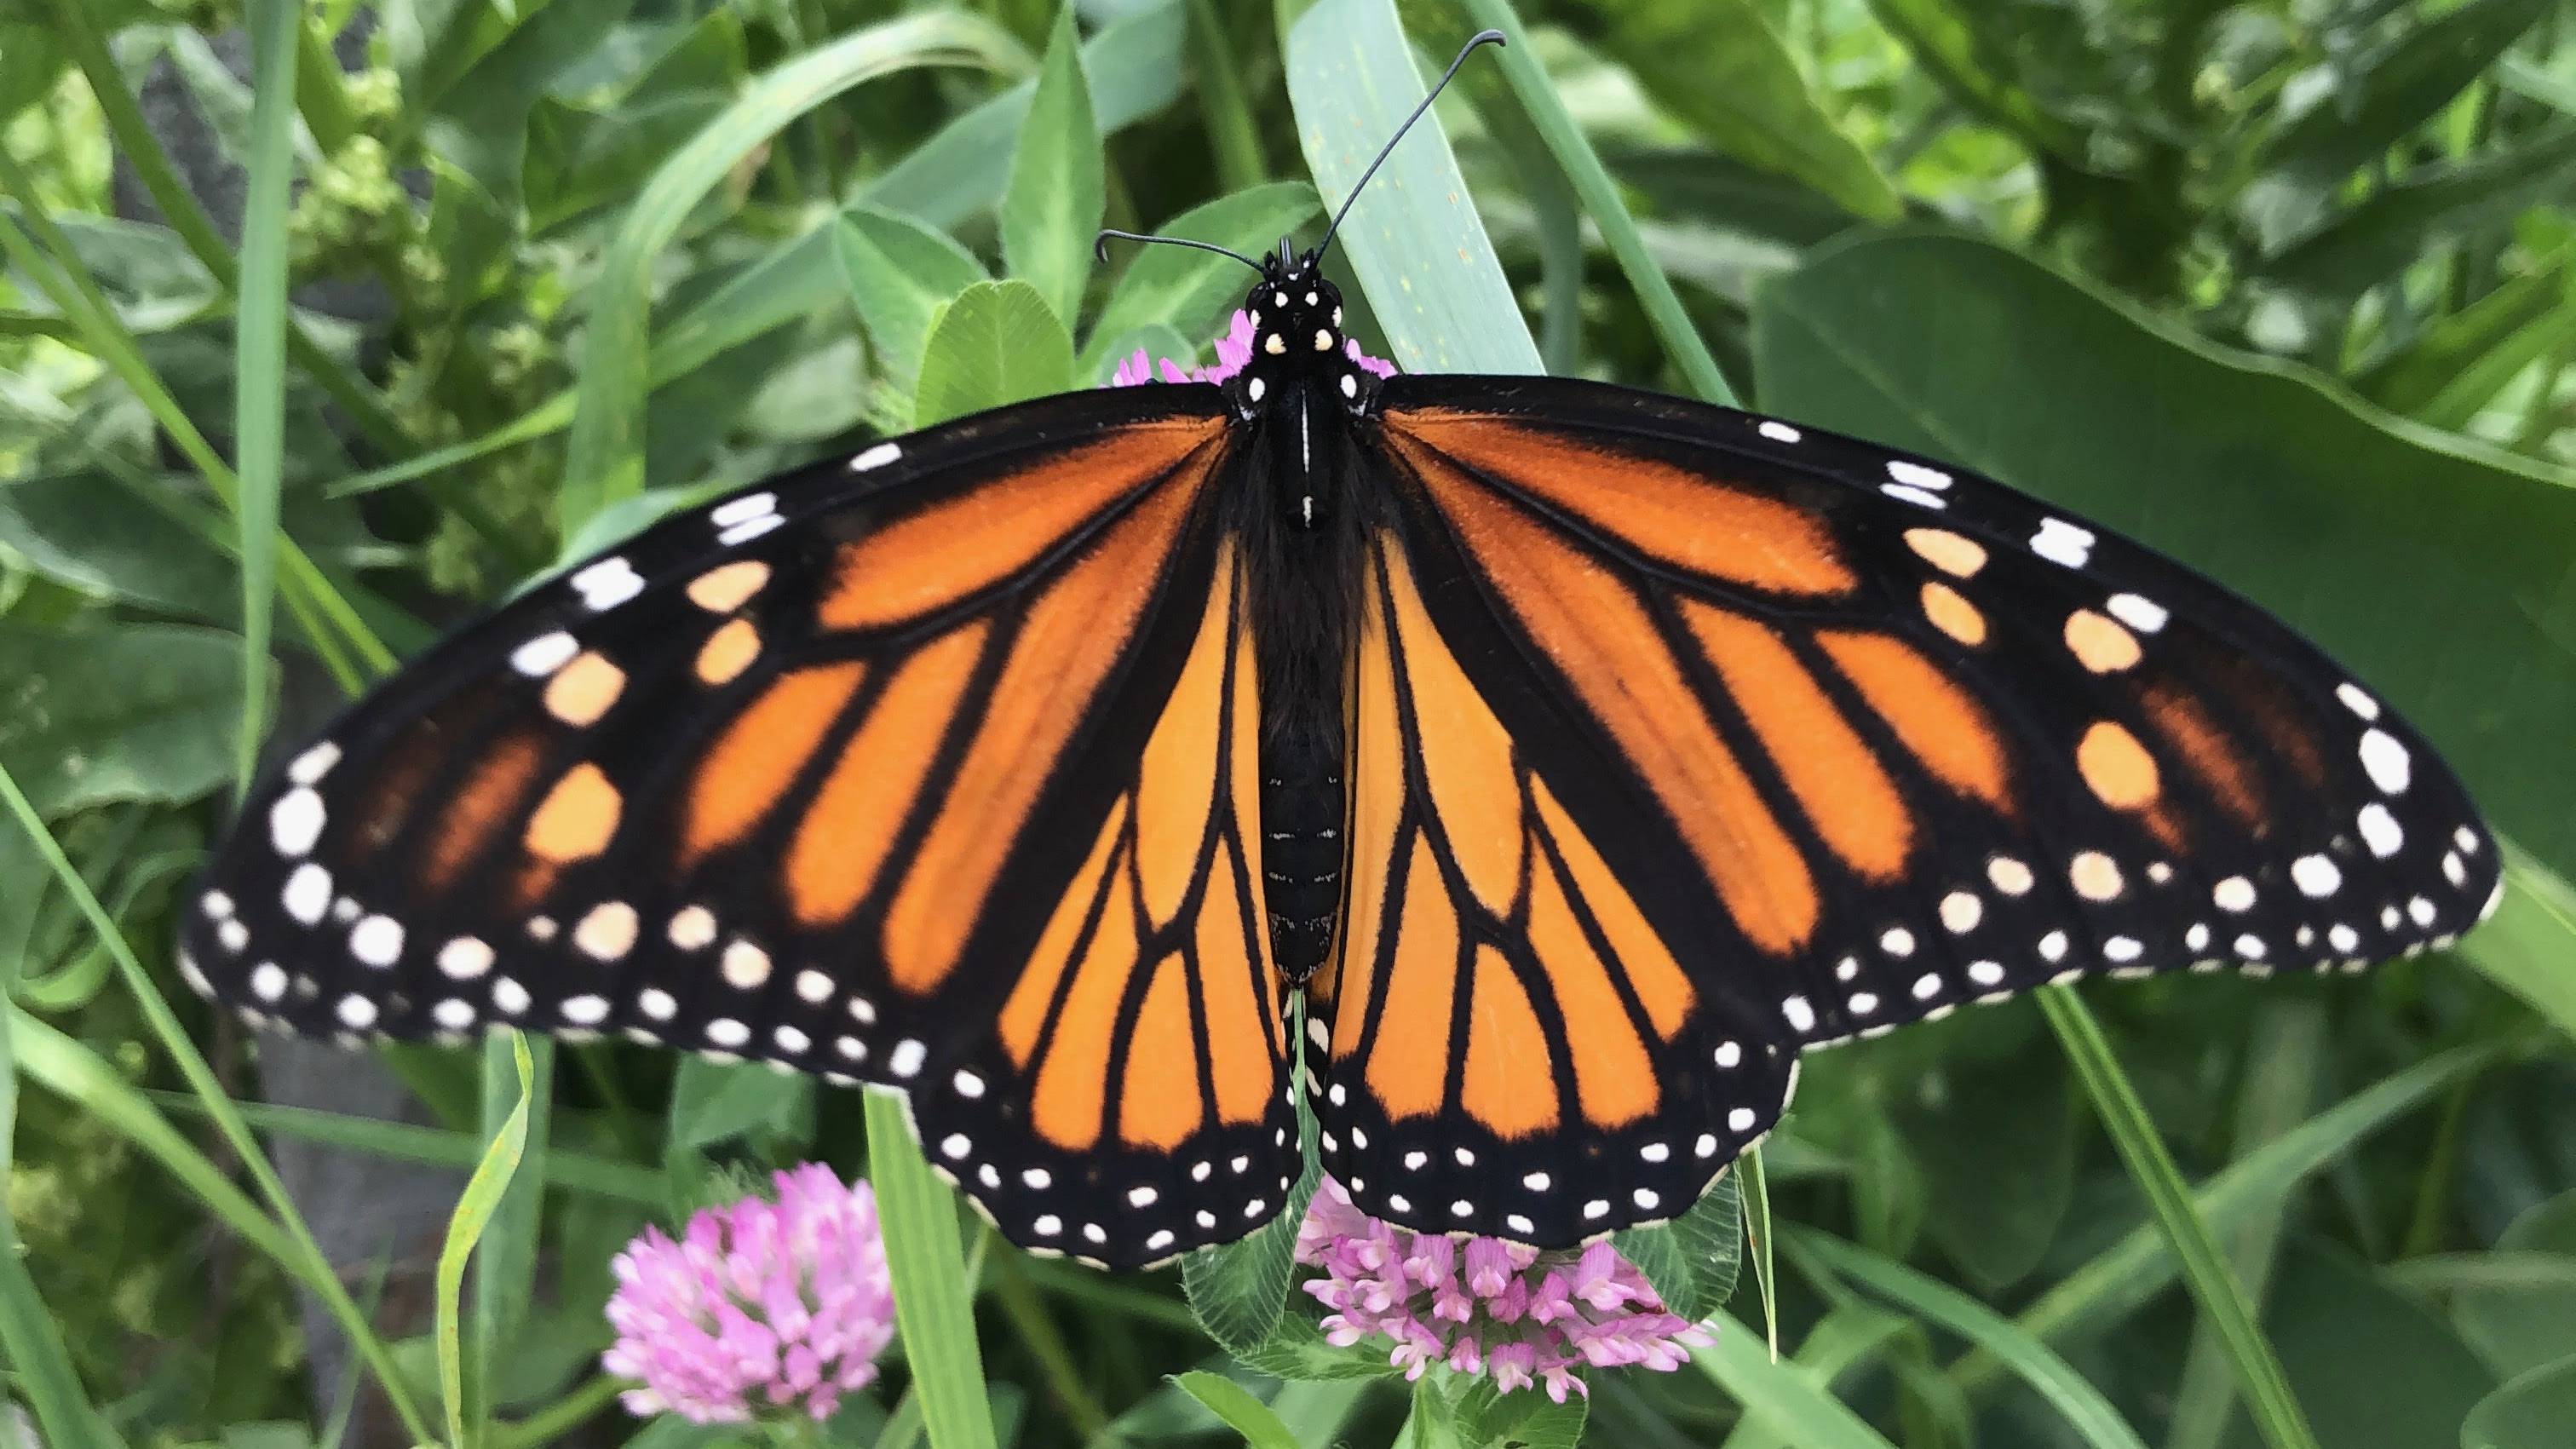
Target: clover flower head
point(757, 1308)
point(1233, 352)
point(1518, 1315)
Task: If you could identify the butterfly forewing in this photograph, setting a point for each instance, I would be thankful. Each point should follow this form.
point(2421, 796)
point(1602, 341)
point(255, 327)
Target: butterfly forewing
point(932, 767)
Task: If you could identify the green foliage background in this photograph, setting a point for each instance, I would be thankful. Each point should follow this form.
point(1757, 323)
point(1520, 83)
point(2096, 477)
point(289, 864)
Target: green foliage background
point(454, 289)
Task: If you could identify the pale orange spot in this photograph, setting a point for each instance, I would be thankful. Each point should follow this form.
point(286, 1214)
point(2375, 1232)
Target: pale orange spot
point(1072, 637)
point(1952, 614)
point(1837, 780)
point(1024, 1014)
point(1951, 553)
point(1509, 1084)
point(2116, 766)
point(2099, 643)
point(1594, 631)
point(1243, 1059)
point(759, 755)
point(1668, 513)
point(1072, 1085)
point(1466, 755)
point(582, 691)
point(1932, 716)
point(728, 652)
point(576, 818)
point(491, 790)
point(927, 560)
point(853, 819)
point(722, 589)
point(1177, 777)
point(1640, 953)
point(1159, 1104)
point(1408, 1066)
point(1614, 1079)
point(2095, 876)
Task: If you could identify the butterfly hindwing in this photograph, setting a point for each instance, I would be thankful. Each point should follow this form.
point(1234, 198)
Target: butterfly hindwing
point(932, 767)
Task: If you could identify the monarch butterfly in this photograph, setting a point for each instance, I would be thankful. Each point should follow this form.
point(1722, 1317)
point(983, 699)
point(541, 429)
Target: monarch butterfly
point(1578, 755)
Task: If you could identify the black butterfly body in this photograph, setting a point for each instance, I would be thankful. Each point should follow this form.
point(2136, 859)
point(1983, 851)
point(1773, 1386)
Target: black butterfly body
point(1580, 754)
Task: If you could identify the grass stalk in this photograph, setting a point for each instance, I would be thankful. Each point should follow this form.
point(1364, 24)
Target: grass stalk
point(2274, 1409)
point(259, 355)
point(932, 1304)
point(1232, 133)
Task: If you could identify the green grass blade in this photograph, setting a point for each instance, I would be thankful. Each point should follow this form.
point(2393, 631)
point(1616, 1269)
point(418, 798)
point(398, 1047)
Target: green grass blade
point(932, 1306)
point(437, 1147)
point(1782, 1395)
point(2268, 1399)
point(604, 457)
point(1758, 1239)
point(166, 1029)
point(1573, 151)
point(41, 1363)
point(474, 1211)
point(259, 352)
point(2117, 1281)
point(2082, 1406)
point(2283, 1061)
point(505, 1248)
point(1413, 241)
point(2526, 947)
point(1232, 133)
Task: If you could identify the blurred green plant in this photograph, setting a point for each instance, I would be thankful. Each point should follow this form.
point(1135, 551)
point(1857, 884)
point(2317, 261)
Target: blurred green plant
point(2285, 287)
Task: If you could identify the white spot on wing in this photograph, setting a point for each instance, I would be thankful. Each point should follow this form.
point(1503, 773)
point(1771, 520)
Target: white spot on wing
point(2062, 542)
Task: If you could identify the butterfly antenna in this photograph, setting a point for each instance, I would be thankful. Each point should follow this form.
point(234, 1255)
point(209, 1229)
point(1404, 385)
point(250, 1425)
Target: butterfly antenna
point(1481, 37)
point(1100, 244)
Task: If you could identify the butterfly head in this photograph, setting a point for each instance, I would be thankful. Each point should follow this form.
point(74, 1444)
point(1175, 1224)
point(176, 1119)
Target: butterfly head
point(1297, 339)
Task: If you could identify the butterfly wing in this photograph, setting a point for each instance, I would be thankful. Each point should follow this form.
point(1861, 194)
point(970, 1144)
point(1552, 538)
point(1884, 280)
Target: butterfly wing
point(1850, 738)
point(930, 768)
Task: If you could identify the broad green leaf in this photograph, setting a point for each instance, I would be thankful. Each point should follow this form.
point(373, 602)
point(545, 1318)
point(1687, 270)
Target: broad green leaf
point(997, 343)
point(900, 274)
point(2376, 1369)
point(713, 1101)
point(1241, 1412)
point(2076, 1401)
point(1784, 1396)
point(84, 530)
point(130, 712)
point(2379, 98)
point(1190, 290)
point(1413, 239)
point(1059, 182)
point(474, 1208)
point(933, 1308)
point(1240, 1290)
point(2530, 1319)
point(2460, 363)
point(2433, 569)
point(604, 458)
point(2530, 1412)
point(1994, 1144)
point(1745, 94)
point(1692, 1260)
point(1523, 1419)
point(1433, 1424)
point(1943, 37)
point(2358, 249)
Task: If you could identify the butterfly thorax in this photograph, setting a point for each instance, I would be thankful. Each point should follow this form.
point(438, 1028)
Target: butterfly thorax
point(1302, 518)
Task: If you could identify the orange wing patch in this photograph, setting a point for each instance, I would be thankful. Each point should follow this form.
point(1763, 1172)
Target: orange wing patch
point(941, 555)
point(1486, 941)
point(1940, 723)
point(1597, 634)
point(1666, 513)
point(1148, 1010)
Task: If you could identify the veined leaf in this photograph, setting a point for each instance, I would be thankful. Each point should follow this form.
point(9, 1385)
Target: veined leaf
point(1051, 210)
point(998, 342)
